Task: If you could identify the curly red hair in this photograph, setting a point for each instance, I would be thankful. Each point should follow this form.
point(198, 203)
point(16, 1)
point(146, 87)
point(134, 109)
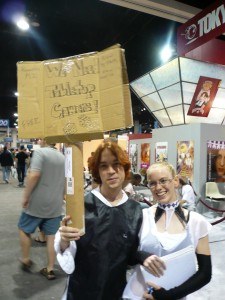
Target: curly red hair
point(117, 151)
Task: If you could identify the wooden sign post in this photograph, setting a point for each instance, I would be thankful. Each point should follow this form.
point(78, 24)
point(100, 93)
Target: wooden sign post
point(75, 185)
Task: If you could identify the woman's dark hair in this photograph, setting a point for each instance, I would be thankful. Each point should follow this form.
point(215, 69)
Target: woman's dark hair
point(182, 181)
point(117, 151)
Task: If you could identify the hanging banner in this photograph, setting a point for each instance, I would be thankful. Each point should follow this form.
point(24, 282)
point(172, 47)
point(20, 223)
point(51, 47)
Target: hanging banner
point(185, 159)
point(203, 27)
point(204, 95)
point(145, 156)
point(216, 161)
point(161, 151)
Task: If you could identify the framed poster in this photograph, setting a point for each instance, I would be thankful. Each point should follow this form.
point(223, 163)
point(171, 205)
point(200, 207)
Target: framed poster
point(216, 161)
point(133, 156)
point(161, 151)
point(145, 156)
point(185, 159)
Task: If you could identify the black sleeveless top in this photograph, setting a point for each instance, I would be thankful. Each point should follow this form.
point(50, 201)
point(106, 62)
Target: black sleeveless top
point(106, 249)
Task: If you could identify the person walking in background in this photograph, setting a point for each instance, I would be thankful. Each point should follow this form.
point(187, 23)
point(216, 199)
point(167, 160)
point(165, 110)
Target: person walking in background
point(187, 195)
point(128, 186)
point(137, 179)
point(112, 223)
point(21, 160)
point(168, 228)
point(6, 161)
point(42, 204)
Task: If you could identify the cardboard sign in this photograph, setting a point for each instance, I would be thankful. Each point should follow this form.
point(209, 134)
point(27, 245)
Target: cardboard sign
point(75, 98)
point(71, 100)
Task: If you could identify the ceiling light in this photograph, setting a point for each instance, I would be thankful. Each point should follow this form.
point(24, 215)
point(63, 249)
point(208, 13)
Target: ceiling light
point(23, 24)
point(166, 53)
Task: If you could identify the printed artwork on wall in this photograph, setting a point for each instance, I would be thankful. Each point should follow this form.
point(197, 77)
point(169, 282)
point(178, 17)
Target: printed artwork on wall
point(145, 155)
point(185, 159)
point(216, 161)
point(161, 151)
point(133, 156)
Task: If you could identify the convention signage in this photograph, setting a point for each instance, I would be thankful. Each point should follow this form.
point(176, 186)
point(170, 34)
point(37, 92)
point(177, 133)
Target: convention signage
point(205, 26)
point(4, 123)
point(8, 139)
point(74, 99)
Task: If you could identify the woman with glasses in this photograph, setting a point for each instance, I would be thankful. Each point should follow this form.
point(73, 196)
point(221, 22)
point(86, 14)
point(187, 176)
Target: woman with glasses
point(168, 228)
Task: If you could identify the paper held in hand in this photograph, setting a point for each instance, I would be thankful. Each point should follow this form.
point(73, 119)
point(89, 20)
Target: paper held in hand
point(180, 266)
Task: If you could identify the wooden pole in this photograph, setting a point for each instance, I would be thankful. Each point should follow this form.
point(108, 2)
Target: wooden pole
point(75, 185)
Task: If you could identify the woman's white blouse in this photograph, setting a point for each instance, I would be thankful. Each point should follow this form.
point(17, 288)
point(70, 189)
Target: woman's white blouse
point(197, 228)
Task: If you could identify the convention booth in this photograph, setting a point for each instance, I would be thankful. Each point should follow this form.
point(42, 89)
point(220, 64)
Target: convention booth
point(186, 96)
point(169, 92)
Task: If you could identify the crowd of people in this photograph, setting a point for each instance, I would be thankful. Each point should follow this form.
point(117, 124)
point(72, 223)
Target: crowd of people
point(15, 163)
point(119, 233)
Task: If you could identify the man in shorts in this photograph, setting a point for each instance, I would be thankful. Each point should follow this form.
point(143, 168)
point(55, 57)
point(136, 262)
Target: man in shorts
point(42, 204)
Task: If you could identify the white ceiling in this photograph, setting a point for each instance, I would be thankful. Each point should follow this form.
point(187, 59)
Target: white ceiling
point(163, 91)
point(167, 91)
point(168, 9)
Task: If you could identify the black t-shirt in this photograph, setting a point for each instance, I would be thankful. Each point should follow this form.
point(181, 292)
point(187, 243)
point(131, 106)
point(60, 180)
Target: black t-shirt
point(21, 156)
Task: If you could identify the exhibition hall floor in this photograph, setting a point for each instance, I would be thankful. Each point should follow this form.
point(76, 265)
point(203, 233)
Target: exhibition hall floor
point(16, 284)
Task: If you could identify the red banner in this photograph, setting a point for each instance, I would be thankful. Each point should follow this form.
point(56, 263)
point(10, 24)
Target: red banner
point(203, 27)
point(204, 95)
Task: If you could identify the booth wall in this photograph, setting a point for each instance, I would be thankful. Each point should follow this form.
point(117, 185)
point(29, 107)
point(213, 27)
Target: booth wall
point(138, 142)
point(199, 134)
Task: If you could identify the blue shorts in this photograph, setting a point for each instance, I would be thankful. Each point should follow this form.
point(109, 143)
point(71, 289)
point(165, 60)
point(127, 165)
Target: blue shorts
point(29, 224)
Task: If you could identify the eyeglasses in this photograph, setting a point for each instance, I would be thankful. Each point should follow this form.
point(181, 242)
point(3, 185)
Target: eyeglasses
point(163, 182)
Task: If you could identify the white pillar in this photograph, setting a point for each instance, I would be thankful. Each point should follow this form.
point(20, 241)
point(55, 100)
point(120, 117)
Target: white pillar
point(14, 137)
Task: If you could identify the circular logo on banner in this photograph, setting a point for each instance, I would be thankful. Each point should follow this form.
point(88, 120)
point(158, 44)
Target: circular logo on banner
point(4, 123)
point(190, 32)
